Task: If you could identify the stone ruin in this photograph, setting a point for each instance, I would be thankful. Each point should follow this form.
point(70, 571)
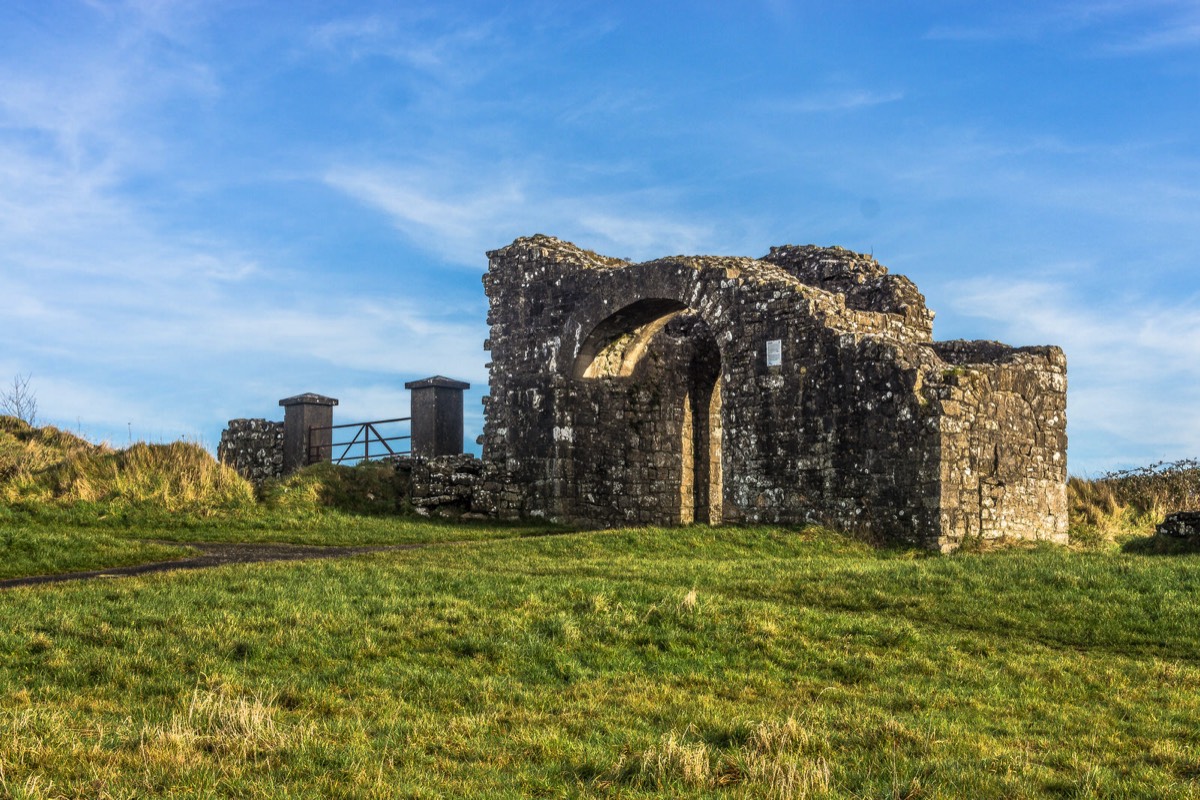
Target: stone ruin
point(801, 387)
point(804, 386)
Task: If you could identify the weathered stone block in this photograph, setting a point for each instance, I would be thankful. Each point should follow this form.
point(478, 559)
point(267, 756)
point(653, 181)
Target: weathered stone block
point(1183, 524)
point(253, 447)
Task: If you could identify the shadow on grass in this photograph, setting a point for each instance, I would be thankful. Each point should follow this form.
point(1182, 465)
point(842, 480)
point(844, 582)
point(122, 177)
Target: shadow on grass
point(1159, 545)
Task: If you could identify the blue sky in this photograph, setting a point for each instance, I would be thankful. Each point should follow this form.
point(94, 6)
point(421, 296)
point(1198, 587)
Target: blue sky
point(206, 207)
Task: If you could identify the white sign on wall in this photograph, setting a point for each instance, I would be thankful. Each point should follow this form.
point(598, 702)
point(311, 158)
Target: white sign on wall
point(774, 352)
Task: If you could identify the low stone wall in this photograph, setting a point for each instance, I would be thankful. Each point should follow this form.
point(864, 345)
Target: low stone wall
point(1183, 524)
point(253, 447)
point(447, 486)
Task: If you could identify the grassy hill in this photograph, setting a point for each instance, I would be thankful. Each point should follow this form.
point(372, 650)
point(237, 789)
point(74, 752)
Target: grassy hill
point(641, 663)
point(47, 465)
point(499, 661)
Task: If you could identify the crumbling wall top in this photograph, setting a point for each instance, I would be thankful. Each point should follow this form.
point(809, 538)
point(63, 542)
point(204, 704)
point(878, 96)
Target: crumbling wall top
point(736, 267)
point(550, 248)
point(831, 268)
point(866, 284)
point(862, 283)
point(964, 352)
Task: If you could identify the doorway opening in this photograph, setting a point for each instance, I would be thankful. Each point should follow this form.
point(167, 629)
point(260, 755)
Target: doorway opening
point(701, 484)
point(647, 429)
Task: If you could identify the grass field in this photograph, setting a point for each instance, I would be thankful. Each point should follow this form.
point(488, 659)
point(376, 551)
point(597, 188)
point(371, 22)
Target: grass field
point(516, 661)
point(697, 662)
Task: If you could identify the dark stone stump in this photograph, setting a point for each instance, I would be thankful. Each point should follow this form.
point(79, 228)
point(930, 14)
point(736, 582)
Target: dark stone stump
point(1181, 524)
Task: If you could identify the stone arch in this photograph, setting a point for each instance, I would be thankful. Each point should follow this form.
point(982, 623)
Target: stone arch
point(633, 296)
point(655, 365)
point(618, 342)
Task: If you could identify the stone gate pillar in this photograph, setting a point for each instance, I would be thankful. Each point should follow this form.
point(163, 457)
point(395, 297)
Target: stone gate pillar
point(300, 414)
point(437, 416)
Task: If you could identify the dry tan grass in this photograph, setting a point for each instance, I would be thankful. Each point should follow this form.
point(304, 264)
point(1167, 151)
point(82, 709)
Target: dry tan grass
point(1130, 502)
point(173, 476)
point(46, 465)
point(674, 760)
point(221, 723)
point(32, 788)
point(26, 451)
point(688, 604)
point(772, 763)
point(218, 729)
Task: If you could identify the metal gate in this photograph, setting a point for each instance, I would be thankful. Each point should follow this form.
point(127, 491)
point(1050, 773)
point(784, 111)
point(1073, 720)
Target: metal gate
point(366, 441)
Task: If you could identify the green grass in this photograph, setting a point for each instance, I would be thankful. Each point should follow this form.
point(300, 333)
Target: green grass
point(313, 526)
point(37, 550)
point(753, 662)
point(692, 662)
point(45, 540)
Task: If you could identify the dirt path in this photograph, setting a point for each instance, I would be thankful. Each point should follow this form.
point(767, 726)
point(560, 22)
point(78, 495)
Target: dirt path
point(212, 554)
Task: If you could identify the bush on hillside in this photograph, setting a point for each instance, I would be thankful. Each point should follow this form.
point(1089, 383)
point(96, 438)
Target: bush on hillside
point(48, 465)
point(372, 487)
point(1132, 502)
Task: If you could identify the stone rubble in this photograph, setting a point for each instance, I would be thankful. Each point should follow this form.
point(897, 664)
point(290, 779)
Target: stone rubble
point(1181, 524)
point(254, 448)
point(443, 485)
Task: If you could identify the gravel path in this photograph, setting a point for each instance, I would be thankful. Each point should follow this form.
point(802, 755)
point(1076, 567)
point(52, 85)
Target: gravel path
point(212, 554)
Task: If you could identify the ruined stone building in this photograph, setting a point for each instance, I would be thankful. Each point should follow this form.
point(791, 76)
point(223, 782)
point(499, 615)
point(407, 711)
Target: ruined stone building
point(804, 386)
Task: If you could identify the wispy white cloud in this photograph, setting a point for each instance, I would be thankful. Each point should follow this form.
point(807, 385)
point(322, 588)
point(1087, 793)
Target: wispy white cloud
point(1117, 27)
point(1002, 22)
point(460, 221)
point(389, 336)
point(607, 106)
point(1177, 34)
point(838, 100)
point(1145, 194)
point(1133, 363)
point(624, 231)
point(443, 45)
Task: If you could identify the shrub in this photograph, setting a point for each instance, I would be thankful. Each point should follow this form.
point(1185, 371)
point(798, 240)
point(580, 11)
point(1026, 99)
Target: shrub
point(371, 487)
point(1131, 502)
point(48, 465)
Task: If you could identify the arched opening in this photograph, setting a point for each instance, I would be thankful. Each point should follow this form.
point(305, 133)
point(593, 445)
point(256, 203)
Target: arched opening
point(700, 486)
point(615, 346)
point(648, 416)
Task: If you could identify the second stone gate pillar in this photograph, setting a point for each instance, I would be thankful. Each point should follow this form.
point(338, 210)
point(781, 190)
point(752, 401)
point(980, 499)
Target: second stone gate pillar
point(437, 416)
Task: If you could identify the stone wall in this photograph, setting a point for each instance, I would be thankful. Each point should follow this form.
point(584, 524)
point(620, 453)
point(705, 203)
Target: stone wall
point(801, 387)
point(1004, 440)
point(253, 447)
point(449, 485)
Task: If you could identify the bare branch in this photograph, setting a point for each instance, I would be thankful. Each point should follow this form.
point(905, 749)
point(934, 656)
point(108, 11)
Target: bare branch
point(19, 400)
